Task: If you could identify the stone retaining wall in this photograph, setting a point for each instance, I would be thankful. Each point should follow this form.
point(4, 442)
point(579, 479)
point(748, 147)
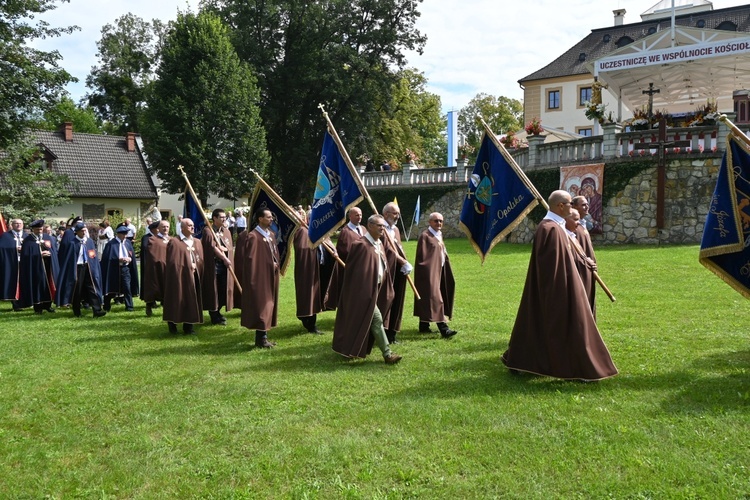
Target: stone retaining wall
point(630, 216)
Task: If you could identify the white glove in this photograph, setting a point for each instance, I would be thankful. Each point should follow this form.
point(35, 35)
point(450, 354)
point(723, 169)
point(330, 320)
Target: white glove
point(406, 269)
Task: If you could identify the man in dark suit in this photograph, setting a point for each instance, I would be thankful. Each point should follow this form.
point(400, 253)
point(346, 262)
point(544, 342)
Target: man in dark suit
point(80, 273)
point(38, 269)
point(119, 270)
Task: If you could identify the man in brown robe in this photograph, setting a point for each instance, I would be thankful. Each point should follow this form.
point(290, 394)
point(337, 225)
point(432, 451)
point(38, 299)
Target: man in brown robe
point(433, 278)
point(399, 268)
point(307, 279)
point(183, 301)
point(260, 278)
point(350, 232)
point(367, 286)
point(218, 284)
point(555, 333)
point(154, 265)
point(585, 264)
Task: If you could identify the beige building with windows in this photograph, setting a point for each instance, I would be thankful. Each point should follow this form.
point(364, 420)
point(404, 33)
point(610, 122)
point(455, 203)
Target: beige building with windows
point(704, 55)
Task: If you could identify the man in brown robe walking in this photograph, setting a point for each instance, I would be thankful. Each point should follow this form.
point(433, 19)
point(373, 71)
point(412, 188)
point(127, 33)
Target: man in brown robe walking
point(218, 284)
point(307, 284)
point(350, 232)
point(367, 286)
point(154, 265)
point(183, 301)
point(555, 333)
point(398, 267)
point(260, 278)
point(434, 280)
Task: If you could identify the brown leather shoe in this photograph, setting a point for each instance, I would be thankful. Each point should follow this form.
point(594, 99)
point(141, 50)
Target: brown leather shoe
point(392, 359)
point(265, 344)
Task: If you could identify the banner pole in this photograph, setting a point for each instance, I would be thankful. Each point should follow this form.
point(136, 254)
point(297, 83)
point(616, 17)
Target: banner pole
point(208, 224)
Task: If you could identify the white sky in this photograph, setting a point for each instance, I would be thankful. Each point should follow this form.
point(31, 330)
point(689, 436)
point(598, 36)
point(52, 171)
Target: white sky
point(473, 45)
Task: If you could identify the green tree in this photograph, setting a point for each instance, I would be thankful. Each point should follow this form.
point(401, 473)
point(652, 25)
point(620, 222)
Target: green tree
point(27, 186)
point(30, 79)
point(340, 53)
point(83, 117)
point(202, 112)
point(127, 58)
point(411, 118)
point(502, 114)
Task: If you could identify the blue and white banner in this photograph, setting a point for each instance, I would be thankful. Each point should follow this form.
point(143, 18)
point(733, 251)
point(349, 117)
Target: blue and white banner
point(497, 198)
point(725, 246)
point(192, 211)
point(336, 192)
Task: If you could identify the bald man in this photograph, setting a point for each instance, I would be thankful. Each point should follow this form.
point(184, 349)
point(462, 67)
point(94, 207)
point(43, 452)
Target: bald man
point(555, 333)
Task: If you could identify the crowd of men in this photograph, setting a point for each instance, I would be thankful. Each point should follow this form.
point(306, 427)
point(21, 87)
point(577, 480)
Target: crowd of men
point(363, 278)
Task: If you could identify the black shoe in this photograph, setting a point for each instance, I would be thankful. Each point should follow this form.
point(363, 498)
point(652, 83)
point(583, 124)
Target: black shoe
point(315, 331)
point(264, 344)
point(172, 327)
point(99, 313)
point(38, 312)
point(446, 334)
point(129, 309)
point(219, 321)
point(149, 309)
point(77, 313)
point(50, 310)
point(187, 329)
point(424, 327)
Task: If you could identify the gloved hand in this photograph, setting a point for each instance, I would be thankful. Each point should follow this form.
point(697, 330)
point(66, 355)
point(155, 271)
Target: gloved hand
point(406, 269)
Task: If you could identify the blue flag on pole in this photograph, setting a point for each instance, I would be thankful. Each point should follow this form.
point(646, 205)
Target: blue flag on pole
point(284, 224)
point(192, 211)
point(336, 192)
point(725, 246)
point(497, 198)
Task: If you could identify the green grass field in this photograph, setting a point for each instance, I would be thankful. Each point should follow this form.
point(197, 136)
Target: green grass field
point(116, 407)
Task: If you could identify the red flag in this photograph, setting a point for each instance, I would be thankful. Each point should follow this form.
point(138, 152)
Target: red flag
point(3, 225)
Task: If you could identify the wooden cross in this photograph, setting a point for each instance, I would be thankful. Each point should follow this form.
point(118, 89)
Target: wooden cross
point(651, 91)
point(661, 145)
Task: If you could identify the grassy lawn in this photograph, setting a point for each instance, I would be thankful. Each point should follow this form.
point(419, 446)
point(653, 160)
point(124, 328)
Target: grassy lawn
point(117, 407)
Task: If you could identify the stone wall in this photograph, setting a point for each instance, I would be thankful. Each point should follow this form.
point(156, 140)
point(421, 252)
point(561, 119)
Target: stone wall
point(629, 216)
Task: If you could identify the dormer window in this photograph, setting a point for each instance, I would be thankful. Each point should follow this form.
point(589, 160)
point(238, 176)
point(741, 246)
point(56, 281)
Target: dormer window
point(727, 26)
point(623, 41)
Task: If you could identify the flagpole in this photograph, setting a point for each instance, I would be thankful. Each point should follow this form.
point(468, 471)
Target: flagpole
point(361, 186)
point(291, 212)
point(512, 162)
point(734, 128)
point(580, 252)
point(208, 225)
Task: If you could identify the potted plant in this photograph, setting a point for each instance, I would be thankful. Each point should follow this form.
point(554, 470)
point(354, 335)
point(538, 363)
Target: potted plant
point(534, 127)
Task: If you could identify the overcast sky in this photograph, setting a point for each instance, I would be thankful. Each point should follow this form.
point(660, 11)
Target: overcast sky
point(472, 45)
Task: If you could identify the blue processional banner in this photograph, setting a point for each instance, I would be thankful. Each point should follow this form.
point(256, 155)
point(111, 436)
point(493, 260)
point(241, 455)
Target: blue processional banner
point(725, 246)
point(192, 210)
point(285, 223)
point(336, 191)
point(497, 198)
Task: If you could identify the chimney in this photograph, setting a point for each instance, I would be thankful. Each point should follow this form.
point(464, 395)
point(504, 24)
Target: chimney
point(130, 142)
point(67, 130)
point(619, 16)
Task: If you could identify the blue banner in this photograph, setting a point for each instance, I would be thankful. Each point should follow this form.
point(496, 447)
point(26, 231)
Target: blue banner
point(497, 199)
point(725, 246)
point(285, 223)
point(192, 210)
point(336, 192)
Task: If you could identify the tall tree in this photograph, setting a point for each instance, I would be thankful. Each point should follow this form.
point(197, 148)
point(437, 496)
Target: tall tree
point(27, 186)
point(502, 114)
point(202, 112)
point(83, 117)
point(341, 53)
point(30, 79)
point(127, 59)
point(411, 118)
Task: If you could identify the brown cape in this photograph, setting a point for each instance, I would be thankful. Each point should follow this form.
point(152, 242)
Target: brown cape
point(183, 302)
point(555, 333)
point(434, 281)
point(306, 275)
point(211, 250)
point(360, 293)
point(347, 236)
point(259, 280)
point(392, 317)
point(584, 269)
point(153, 266)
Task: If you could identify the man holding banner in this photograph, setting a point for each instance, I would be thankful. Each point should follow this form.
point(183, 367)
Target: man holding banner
point(555, 333)
point(399, 268)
